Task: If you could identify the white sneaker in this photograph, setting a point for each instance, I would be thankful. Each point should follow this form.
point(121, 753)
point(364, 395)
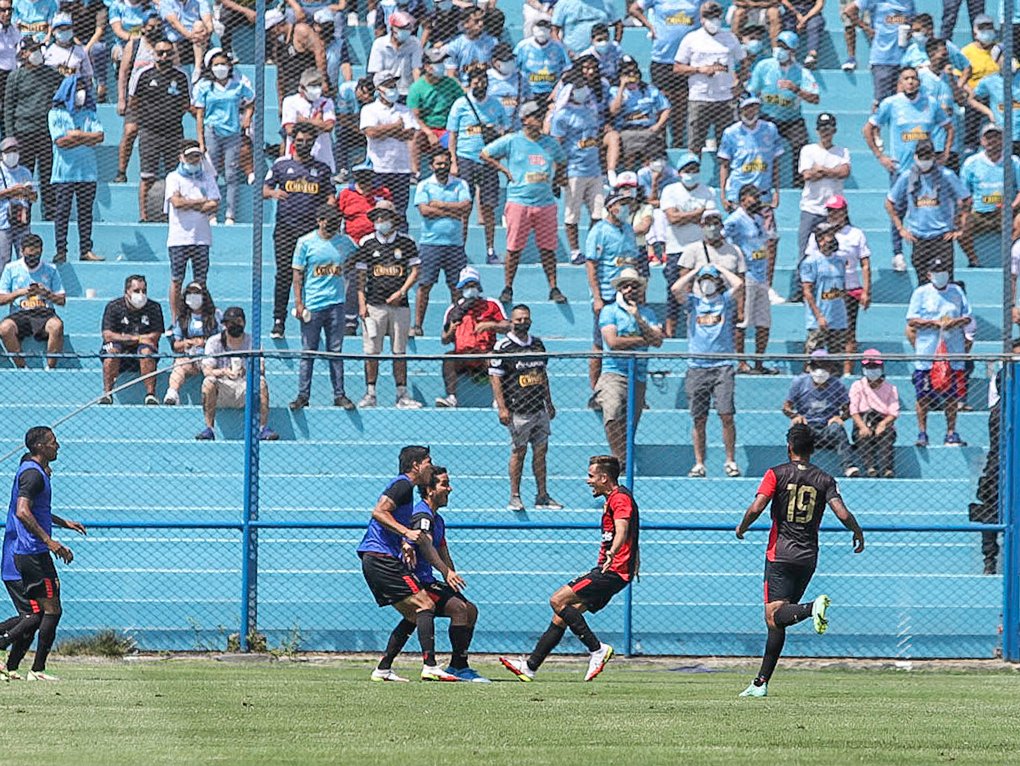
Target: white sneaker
point(368, 400)
point(775, 298)
point(436, 673)
point(711, 145)
point(228, 221)
point(40, 676)
point(387, 675)
point(407, 403)
point(899, 263)
point(447, 401)
point(519, 668)
point(597, 661)
point(171, 399)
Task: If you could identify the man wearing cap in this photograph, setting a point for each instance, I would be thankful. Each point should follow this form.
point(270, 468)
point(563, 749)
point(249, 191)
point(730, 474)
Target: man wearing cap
point(888, 42)
point(190, 199)
point(711, 58)
point(824, 283)
point(640, 113)
point(531, 160)
point(16, 198)
point(399, 53)
point(607, 52)
point(712, 247)
point(387, 263)
point(874, 407)
point(572, 21)
point(349, 143)
point(65, 54)
point(682, 204)
point(473, 46)
point(626, 324)
point(711, 316)
point(983, 175)
point(748, 154)
point(782, 84)
point(541, 60)
point(671, 21)
point(429, 100)
point(33, 289)
point(444, 204)
point(506, 83)
point(309, 106)
point(936, 206)
point(938, 313)
point(470, 324)
point(390, 128)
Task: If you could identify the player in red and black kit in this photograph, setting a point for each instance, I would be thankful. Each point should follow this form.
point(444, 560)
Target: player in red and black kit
point(798, 492)
point(617, 564)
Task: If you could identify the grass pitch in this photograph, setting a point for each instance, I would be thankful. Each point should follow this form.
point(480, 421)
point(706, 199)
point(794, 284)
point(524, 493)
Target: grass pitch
point(202, 712)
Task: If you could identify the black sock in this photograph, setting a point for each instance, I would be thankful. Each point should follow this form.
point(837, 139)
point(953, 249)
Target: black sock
point(7, 624)
point(27, 625)
point(460, 640)
point(576, 622)
point(425, 621)
point(18, 651)
point(791, 614)
point(773, 648)
point(548, 641)
point(47, 633)
point(396, 643)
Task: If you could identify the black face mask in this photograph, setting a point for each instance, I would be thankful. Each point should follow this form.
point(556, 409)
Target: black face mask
point(235, 330)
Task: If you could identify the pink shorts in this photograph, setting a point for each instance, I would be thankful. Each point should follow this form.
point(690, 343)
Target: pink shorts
point(521, 220)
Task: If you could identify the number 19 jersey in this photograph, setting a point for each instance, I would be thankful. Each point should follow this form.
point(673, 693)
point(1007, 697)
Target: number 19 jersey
point(799, 493)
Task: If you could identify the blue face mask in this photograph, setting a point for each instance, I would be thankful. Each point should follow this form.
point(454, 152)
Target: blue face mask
point(191, 168)
point(986, 36)
point(919, 38)
point(401, 35)
point(753, 47)
point(782, 55)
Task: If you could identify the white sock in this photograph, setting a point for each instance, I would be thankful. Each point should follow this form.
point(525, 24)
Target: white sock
point(401, 392)
point(371, 389)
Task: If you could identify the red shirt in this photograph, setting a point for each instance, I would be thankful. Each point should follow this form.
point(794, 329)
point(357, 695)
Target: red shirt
point(354, 207)
point(620, 505)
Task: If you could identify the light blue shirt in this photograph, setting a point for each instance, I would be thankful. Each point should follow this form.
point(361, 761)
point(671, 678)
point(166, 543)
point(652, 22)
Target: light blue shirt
point(16, 276)
point(929, 303)
point(531, 163)
point(666, 177)
point(580, 134)
point(77, 163)
point(613, 314)
point(463, 51)
point(186, 11)
point(609, 62)
point(710, 328)
point(222, 104)
point(827, 274)
point(992, 89)
point(511, 91)
point(346, 101)
point(779, 103)
point(466, 125)
point(541, 65)
point(612, 249)
point(671, 19)
point(916, 56)
point(931, 207)
point(886, 18)
point(938, 89)
point(11, 177)
point(322, 261)
point(748, 233)
point(131, 17)
point(752, 155)
point(818, 404)
point(195, 329)
point(33, 17)
point(446, 230)
point(985, 180)
point(640, 107)
point(908, 122)
point(576, 18)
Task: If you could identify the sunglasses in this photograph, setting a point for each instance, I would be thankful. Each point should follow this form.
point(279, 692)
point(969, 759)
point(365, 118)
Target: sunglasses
point(164, 53)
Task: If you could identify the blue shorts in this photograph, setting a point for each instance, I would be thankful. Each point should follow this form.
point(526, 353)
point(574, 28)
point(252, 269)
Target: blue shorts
point(481, 175)
point(925, 393)
point(179, 257)
point(450, 258)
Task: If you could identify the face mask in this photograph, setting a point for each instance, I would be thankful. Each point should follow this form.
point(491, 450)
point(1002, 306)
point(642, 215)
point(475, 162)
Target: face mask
point(940, 279)
point(505, 68)
point(925, 165)
point(711, 232)
point(401, 35)
point(753, 47)
point(444, 5)
point(782, 55)
point(192, 168)
point(749, 121)
point(11, 159)
point(389, 94)
point(656, 166)
point(138, 299)
point(873, 373)
point(193, 301)
point(710, 25)
point(541, 35)
point(709, 287)
point(986, 36)
point(32, 261)
point(64, 35)
point(820, 377)
point(470, 293)
point(521, 329)
point(919, 39)
point(689, 180)
point(580, 94)
point(35, 58)
point(384, 227)
point(313, 93)
point(79, 98)
point(602, 47)
point(235, 330)
point(221, 71)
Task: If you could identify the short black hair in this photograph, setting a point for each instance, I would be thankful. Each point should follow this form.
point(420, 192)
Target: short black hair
point(441, 153)
point(523, 306)
point(305, 127)
point(925, 18)
point(607, 464)
point(433, 480)
point(329, 213)
point(933, 45)
point(801, 440)
point(748, 189)
point(33, 241)
point(409, 455)
point(35, 436)
point(132, 278)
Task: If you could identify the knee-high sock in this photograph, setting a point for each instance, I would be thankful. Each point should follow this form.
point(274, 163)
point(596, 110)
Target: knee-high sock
point(460, 640)
point(791, 614)
point(47, 633)
point(425, 621)
point(18, 650)
point(9, 623)
point(773, 648)
point(396, 643)
point(576, 622)
point(548, 641)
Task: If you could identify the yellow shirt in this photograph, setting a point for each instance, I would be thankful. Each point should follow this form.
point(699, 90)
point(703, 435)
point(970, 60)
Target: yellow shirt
point(981, 63)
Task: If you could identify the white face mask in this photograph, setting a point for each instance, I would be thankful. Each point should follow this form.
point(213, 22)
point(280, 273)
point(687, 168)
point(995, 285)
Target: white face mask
point(919, 38)
point(389, 94)
point(708, 287)
point(820, 377)
point(656, 166)
point(470, 293)
point(753, 47)
point(940, 279)
point(64, 35)
point(221, 71)
point(873, 373)
point(437, 70)
point(710, 25)
point(384, 227)
point(35, 58)
point(601, 47)
point(986, 36)
point(313, 93)
point(506, 68)
point(193, 301)
point(925, 165)
point(79, 98)
point(711, 232)
point(580, 93)
point(138, 299)
point(689, 180)
point(11, 159)
point(541, 35)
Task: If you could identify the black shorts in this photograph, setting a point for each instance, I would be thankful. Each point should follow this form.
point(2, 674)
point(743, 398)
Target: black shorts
point(38, 575)
point(388, 578)
point(786, 582)
point(157, 152)
point(597, 588)
point(31, 323)
point(23, 603)
point(441, 593)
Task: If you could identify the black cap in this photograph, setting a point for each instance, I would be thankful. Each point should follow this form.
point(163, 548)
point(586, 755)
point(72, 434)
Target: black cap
point(924, 146)
point(629, 62)
point(825, 119)
point(233, 312)
point(599, 29)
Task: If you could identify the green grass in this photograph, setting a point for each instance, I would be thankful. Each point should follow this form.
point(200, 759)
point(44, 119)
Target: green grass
point(199, 712)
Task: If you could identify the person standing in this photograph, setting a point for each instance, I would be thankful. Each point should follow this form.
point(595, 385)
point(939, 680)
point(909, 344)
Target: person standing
point(983, 175)
point(430, 99)
point(889, 35)
point(672, 20)
point(397, 55)
point(311, 106)
point(390, 128)
point(16, 198)
point(823, 276)
point(10, 40)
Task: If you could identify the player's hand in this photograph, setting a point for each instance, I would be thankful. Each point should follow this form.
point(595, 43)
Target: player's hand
point(607, 563)
point(408, 555)
point(77, 526)
point(61, 551)
point(739, 533)
point(504, 416)
point(858, 541)
point(455, 581)
point(412, 535)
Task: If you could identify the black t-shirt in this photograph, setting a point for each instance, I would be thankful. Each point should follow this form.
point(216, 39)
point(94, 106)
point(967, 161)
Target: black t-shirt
point(386, 266)
point(119, 317)
point(163, 98)
point(524, 377)
point(308, 186)
point(30, 485)
point(799, 494)
point(401, 492)
point(444, 25)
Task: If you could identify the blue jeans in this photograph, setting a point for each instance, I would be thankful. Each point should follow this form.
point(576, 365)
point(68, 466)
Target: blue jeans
point(225, 156)
point(330, 319)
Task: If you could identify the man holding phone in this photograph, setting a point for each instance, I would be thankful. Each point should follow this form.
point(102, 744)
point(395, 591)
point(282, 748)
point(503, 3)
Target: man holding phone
point(32, 288)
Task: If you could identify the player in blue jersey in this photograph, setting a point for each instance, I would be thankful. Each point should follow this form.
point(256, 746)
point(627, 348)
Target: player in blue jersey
point(386, 550)
point(27, 545)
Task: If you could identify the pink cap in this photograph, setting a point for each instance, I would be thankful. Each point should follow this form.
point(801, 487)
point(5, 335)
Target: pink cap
point(401, 20)
point(871, 357)
point(836, 202)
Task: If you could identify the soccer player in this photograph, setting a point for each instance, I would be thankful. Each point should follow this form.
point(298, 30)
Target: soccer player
point(617, 564)
point(384, 551)
point(30, 522)
point(799, 492)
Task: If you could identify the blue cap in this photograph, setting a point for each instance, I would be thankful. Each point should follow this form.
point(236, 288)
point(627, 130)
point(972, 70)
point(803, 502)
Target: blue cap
point(789, 39)
point(708, 270)
point(686, 158)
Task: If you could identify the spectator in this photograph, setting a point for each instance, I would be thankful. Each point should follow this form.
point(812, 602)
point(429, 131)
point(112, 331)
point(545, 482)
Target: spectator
point(473, 46)
point(309, 106)
point(65, 53)
point(627, 324)
point(745, 228)
point(655, 175)
point(387, 264)
point(572, 22)
point(820, 401)
point(541, 59)
point(713, 248)
point(983, 177)
point(390, 128)
point(319, 297)
point(294, 47)
point(936, 317)
point(132, 326)
point(442, 24)
point(801, 16)
point(76, 132)
point(429, 100)
point(989, 99)
point(159, 97)
point(234, 16)
point(710, 329)
point(942, 85)
point(398, 54)
point(226, 377)
point(682, 204)
point(300, 185)
point(606, 52)
point(32, 288)
point(874, 407)
point(951, 8)
point(444, 203)
point(474, 117)
point(782, 84)
point(672, 20)
point(198, 319)
point(338, 56)
point(710, 57)
point(531, 160)
point(520, 390)
point(922, 33)
point(888, 43)
point(640, 113)
point(936, 205)
point(139, 52)
point(16, 200)
point(579, 131)
point(224, 105)
point(188, 25)
point(417, 9)
point(350, 98)
point(824, 283)
point(33, 18)
point(506, 83)
point(354, 202)
point(598, 103)
point(982, 55)
point(10, 39)
point(470, 324)
point(28, 96)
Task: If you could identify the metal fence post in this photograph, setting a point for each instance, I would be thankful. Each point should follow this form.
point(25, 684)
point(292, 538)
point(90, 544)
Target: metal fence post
point(1009, 502)
point(628, 597)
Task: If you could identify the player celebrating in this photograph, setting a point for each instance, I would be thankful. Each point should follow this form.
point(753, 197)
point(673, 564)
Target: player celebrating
point(617, 564)
point(799, 492)
point(383, 549)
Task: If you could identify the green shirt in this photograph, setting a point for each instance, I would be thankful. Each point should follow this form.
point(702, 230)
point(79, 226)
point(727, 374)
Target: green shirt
point(433, 102)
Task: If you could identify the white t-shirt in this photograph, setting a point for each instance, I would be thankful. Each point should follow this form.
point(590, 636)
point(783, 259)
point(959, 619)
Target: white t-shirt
point(388, 155)
point(401, 61)
point(73, 60)
point(700, 253)
point(678, 196)
point(853, 247)
point(812, 199)
point(699, 48)
point(297, 108)
point(189, 227)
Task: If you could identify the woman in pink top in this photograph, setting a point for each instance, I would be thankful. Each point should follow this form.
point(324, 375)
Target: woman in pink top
point(874, 407)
